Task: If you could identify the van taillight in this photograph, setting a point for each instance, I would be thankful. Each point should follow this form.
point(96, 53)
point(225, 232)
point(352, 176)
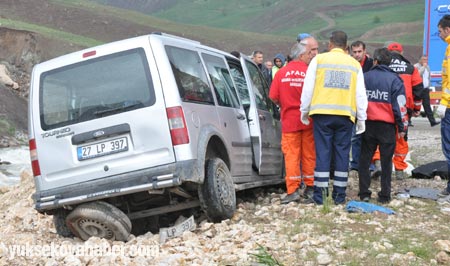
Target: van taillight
point(34, 159)
point(90, 53)
point(177, 125)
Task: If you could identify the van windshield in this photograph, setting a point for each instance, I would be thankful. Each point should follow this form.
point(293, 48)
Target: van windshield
point(95, 88)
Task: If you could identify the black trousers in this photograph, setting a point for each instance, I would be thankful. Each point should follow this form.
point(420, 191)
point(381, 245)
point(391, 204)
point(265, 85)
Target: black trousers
point(426, 106)
point(380, 134)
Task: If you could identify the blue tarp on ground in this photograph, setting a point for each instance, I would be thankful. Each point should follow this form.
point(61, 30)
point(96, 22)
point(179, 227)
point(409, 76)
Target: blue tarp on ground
point(366, 207)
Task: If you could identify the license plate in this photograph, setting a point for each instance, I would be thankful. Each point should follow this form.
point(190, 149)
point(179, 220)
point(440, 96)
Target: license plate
point(177, 230)
point(102, 148)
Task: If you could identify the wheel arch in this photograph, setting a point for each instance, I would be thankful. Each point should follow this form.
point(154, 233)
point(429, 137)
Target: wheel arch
point(210, 145)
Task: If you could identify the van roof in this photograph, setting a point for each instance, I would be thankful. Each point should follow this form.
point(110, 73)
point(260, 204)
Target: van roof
point(78, 56)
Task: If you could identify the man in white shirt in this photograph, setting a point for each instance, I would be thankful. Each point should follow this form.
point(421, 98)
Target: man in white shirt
point(424, 71)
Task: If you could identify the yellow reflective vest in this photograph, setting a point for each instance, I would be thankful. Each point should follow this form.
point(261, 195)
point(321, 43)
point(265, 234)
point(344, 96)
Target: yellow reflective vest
point(445, 98)
point(335, 84)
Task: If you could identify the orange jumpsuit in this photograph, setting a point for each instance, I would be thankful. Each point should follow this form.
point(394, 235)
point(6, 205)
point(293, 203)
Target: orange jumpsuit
point(297, 141)
point(413, 86)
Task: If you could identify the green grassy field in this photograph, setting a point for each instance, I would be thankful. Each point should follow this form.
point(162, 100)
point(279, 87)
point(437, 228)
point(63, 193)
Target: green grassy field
point(355, 19)
point(244, 25)
point(196, 31)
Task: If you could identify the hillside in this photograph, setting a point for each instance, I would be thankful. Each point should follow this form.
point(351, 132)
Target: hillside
point(245, 27)
point(34, 31)
point(287, 17)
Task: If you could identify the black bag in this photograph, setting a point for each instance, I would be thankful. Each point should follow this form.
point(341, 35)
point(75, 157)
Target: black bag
point(431, 170)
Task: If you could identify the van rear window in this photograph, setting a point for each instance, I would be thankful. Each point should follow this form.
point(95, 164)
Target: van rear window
point(95, 88)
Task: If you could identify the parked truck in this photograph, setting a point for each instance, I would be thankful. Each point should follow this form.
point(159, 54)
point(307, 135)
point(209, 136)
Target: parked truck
point(433, 46)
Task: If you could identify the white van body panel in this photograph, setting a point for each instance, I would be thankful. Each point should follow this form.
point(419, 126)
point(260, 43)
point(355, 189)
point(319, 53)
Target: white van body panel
point(142, 151)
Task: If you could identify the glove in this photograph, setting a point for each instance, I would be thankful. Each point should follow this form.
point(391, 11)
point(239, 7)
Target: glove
point(305, 118)
point(440, 111)
point(360, 127)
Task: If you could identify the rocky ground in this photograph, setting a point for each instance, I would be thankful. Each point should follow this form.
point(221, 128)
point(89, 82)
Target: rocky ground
point(262, 232)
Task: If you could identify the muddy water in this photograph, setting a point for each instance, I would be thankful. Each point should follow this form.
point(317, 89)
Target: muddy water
point(13, 161)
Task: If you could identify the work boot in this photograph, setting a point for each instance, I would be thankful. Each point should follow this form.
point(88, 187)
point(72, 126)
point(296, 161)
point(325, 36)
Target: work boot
point(308, 196)
point(434, 123)
point(308, 193)
point(377, 173)
point(295, 196)
point(399, 175)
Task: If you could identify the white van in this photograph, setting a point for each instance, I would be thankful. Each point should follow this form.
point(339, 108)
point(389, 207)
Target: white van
point(146, 126)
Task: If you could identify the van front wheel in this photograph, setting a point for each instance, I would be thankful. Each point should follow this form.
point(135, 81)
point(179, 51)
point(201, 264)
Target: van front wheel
point(99, 219)
point(217, 194)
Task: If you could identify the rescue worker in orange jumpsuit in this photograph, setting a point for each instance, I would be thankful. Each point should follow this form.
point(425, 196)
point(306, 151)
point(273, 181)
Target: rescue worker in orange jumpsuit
point(297, 141)
point(413, 89)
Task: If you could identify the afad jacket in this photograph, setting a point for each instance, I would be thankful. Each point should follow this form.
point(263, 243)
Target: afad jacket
point(386, 96)
point(411, 80)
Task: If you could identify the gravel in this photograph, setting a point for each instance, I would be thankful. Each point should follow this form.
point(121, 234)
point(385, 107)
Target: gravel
point(262, 232)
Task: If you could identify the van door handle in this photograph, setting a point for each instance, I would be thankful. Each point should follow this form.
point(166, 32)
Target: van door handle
point(240, 117)
point(262, 117)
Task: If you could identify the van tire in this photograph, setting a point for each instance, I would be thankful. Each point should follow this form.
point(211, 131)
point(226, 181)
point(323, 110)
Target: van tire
point(217, 194)
point(99, 219)
point(59, 221)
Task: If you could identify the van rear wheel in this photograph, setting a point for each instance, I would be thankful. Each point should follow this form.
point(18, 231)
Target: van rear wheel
point(99, 219)
point(217, 194)
point(59, 221)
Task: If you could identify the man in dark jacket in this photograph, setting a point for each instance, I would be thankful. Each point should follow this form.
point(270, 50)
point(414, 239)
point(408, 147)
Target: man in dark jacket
point(258, 58)
point(386, 115)
point(358, 51)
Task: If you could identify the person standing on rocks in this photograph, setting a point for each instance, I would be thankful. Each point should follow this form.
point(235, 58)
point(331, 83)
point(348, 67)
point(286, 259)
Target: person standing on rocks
point(443, 110)
point(425, 73)
point(386, 113)
point(334, 96)
point(297, 140)
point(358, 51)
point(413, 91)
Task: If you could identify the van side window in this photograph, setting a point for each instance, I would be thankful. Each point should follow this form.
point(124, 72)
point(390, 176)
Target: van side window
point(239, 79)
point(189, 75)
point(260, 86)
point(220, 77)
